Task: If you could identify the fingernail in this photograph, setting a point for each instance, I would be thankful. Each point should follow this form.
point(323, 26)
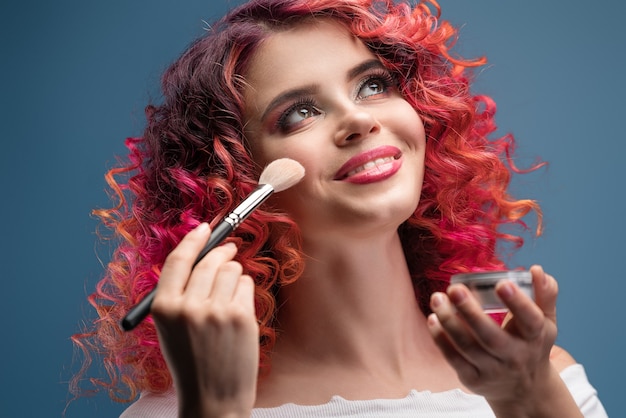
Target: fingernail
point(506, 290)
point(230, 245)
point(543, 279)
point(457, 295)
point(436, 300)
point(202, 227)
point(432, 320)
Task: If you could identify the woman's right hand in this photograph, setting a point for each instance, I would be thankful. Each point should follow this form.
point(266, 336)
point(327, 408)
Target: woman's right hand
point(207, 328)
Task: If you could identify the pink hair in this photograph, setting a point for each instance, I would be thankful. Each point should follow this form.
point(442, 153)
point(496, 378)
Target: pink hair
point(192, 165)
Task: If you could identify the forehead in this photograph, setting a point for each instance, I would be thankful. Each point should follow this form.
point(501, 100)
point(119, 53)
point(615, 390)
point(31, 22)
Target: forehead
point(288, 58)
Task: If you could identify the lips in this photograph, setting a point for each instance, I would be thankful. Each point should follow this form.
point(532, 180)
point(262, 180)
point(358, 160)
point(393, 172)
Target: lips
point(372, 165)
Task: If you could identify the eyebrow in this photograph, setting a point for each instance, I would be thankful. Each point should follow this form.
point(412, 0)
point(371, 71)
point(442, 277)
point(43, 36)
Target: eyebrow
point(365, 67)
point(288, 96)
point(312, 89)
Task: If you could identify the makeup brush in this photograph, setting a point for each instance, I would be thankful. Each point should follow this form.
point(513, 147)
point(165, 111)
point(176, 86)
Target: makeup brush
point(279, 175)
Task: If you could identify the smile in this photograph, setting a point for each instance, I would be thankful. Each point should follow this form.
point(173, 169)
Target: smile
point(370, 164)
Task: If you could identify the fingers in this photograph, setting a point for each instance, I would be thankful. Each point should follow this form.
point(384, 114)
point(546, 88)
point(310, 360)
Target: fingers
point(244, 294)
point(546, 291)
point(214, 265)
point(225, 283)
point(460, 363)
point(178, 264)
point(473, 334)
point(214, 279)
point(530, 316)
point(529, 319)
point(471, 331)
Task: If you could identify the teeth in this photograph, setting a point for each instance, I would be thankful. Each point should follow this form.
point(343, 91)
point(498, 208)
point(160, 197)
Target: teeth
point(370, 164)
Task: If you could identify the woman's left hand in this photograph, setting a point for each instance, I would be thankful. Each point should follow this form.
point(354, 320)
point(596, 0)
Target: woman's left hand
point(510, 365)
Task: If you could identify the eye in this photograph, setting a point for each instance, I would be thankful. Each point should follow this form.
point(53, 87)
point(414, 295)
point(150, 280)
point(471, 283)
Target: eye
point(375, 84)
point(296, 114)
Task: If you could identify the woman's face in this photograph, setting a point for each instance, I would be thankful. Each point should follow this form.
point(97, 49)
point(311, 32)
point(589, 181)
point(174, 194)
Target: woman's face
point(317, 95)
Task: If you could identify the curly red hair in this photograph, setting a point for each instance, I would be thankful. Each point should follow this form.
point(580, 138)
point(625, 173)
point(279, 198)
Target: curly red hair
point(192, 165)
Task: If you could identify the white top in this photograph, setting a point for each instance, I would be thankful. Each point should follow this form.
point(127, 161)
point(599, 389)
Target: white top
point(450, 404)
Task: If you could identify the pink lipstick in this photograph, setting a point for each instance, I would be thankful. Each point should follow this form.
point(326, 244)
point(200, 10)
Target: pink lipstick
point(371, 166)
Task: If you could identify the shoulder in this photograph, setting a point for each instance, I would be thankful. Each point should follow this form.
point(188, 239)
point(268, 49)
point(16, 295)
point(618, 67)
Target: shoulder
point(153, 405)
point(560, 358)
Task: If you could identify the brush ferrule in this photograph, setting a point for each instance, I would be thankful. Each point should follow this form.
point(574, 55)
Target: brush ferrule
point(241, 212)
point(233, 220)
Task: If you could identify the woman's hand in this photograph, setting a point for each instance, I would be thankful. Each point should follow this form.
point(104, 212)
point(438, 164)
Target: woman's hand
point(207, 328)
point(510, 365)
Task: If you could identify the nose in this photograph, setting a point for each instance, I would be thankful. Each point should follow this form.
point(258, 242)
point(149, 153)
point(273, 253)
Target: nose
point(355, 125)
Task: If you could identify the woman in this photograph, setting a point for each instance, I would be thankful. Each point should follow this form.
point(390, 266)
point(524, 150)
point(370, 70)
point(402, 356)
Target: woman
point(333, 300)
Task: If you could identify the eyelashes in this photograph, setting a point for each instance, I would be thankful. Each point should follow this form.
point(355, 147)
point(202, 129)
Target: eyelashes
point(374, 84)
point(300, 110)
point(381, 80)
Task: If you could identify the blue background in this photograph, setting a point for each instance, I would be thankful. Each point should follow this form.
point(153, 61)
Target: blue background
point(75, 76)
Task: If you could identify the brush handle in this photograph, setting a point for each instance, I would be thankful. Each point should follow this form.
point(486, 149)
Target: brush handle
point(142, 309)
point(218, 235)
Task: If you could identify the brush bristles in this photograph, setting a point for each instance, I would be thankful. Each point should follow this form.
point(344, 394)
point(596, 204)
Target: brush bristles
point(281, 174)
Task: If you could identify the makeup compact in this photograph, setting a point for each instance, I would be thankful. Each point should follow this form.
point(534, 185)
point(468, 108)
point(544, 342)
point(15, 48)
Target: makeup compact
point(482, 285)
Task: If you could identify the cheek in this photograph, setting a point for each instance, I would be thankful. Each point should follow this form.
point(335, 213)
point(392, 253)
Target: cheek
point(414, 127)
point(407, 123)
point(306, 149)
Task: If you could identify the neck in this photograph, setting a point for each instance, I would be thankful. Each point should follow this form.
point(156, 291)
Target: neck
point(357, 306)
point(351, 326)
